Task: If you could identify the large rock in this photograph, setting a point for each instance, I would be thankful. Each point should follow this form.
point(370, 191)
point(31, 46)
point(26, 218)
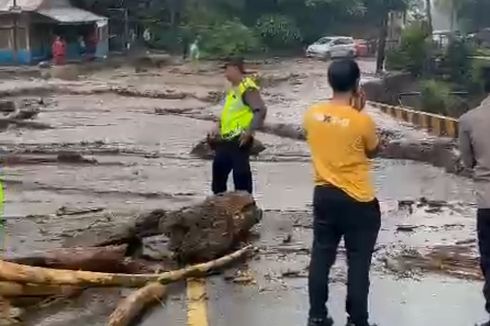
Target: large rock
point(206, 231)
point(196, 233)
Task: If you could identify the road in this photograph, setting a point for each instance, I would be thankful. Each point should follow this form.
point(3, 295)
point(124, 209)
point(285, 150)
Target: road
point(145, 163)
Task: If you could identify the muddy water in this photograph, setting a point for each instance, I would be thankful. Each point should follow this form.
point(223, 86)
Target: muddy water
point(144, 163)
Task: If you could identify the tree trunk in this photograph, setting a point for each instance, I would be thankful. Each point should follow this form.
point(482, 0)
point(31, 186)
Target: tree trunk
point(383, 33)
point(102, 259)
point(428, 8)
point(453, 17)
point(12, 289)
point(134, 304)
point(38, 275)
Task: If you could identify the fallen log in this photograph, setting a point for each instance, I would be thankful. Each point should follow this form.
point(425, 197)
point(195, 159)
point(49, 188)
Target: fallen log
point(39, 275)
point(204, 151)
point(12, 289)
point(131, 307)
point(100, 259)
point(8, 315)
point(208, 230)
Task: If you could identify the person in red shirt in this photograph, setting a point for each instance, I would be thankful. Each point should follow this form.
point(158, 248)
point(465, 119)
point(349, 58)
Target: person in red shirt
point(59, 51)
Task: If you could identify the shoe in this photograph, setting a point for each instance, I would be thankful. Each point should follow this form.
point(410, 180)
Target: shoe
point(320, 322)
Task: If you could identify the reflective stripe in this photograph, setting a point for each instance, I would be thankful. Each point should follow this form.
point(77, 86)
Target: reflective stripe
point(237, 116)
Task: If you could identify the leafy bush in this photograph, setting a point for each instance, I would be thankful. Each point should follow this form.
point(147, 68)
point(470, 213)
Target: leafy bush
point(436, 97)
point(413, 52)
point(229, 38)
point(278, 31)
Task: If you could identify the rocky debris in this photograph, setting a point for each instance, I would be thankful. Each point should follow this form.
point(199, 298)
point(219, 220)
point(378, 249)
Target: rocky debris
point(454, 260)
point(155, 248)
point(210, 229)
point(204, 151)
point(197, 233)
point(429, 206)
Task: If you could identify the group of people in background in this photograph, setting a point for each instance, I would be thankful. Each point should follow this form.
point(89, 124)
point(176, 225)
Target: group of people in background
point(87, 47)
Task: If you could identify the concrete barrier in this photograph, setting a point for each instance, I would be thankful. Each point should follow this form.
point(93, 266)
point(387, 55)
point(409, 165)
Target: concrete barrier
point(435, 124)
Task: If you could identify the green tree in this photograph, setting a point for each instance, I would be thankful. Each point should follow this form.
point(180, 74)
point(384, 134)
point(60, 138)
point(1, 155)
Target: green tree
point(378, 12)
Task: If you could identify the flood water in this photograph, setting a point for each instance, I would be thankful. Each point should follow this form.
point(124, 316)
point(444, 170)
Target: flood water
point(144, 163)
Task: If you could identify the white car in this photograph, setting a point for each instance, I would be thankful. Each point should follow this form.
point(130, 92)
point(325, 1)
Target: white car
point(332, 47)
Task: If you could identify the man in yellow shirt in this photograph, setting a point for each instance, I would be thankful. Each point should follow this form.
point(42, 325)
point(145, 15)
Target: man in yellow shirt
point(342, 139)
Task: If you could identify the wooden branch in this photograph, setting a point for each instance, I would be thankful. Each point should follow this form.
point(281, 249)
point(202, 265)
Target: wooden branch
point(38, 275)
point(12, 289)
point(132, 306)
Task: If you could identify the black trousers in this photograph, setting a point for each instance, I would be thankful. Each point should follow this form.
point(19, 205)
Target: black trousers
point(337, 215)
point(483, 228)
point(229, 157)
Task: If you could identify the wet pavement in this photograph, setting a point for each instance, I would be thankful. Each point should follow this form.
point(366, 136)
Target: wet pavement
point(144, 162)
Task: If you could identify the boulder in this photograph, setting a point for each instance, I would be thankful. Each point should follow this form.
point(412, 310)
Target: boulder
point(210, 229)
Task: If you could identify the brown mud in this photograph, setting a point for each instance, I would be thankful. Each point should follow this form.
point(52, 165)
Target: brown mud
point(129, 137)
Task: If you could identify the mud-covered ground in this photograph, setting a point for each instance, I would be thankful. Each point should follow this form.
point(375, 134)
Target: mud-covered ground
point(136, 131)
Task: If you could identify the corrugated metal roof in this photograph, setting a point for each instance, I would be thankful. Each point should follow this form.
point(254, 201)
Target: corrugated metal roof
point(26, 5)
point(70, 15)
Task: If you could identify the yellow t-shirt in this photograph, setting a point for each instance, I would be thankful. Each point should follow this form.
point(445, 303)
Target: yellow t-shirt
point(339, 137)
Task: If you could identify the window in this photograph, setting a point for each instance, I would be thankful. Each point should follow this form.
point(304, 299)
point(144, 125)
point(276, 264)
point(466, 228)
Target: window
point(345, 41)
point(324, 40)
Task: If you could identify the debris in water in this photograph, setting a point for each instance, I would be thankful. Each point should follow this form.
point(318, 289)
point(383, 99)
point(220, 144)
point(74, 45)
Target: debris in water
point(406, 228)
point(210, 229)
point(77, 211)
point(204, 151)
point(457, 261)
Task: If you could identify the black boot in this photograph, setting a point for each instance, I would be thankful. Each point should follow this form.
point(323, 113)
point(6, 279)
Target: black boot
point(350, 323)
point(320, 322)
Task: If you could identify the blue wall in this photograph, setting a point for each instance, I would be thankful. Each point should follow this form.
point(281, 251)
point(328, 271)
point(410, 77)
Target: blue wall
point(7, 57)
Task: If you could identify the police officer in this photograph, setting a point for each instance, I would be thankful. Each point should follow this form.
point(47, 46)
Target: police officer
point(232, 138)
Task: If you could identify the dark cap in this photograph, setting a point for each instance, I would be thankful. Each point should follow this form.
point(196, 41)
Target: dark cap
point(238, 62)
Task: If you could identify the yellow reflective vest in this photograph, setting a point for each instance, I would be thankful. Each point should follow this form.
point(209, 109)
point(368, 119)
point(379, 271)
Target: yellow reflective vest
point(237, 116)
